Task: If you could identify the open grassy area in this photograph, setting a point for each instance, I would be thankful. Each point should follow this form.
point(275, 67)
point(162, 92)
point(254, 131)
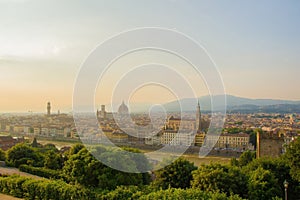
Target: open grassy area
point(206, 160)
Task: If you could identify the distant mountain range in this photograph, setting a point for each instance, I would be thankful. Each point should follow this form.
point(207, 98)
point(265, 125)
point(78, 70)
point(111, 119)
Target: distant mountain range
point(236, 104)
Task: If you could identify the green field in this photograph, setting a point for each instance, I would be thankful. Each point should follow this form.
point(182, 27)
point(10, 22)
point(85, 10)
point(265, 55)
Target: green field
point(206, 160)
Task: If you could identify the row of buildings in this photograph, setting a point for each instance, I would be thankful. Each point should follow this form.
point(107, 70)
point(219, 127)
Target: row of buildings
point(189, 130)
point(52, 125)
point(176, 131)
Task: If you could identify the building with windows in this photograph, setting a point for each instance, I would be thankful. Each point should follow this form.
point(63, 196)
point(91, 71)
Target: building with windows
point(235, 141)
point(186, 132)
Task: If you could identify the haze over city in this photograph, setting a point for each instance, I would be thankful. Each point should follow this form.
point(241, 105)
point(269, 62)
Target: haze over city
point(43, 44)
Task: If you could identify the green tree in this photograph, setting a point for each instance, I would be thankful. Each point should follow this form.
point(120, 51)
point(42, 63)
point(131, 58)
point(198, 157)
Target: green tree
point(123, 192)
point(191, 193)
point(50, 146)
point(84, 169)
point(23, 154)
point(280, 169)
point(111, 178)
point(2, 155)
point(292, 156)
point(216, 177)
point(176, 175)
point(76, 168)
point(246, 158)
point(75, 149)
point(234, 162)
point(262, 185)
point(53, 160)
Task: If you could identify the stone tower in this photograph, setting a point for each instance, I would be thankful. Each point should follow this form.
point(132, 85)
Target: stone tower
point(269, 144)
point(48, 109)
point(198, 118)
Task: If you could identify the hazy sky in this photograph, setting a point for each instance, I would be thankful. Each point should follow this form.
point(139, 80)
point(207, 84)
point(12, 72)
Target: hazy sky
point(255, 44)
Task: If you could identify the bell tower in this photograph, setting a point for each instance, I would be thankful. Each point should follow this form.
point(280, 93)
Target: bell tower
point(48, 109)
point(198, 117)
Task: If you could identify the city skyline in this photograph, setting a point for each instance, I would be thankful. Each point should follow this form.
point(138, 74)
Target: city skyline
point(43, 45)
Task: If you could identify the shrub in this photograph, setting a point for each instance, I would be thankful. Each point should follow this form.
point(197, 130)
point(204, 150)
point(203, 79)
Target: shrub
point(42, 172)
point(29, 188)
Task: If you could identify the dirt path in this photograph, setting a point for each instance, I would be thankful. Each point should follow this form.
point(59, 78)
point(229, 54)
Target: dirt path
point(6, 197)
point(12, 171)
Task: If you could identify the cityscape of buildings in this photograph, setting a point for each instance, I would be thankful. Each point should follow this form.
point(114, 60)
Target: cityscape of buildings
point(187, 130)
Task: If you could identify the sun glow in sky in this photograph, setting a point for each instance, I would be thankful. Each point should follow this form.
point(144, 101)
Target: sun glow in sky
point(255, 44)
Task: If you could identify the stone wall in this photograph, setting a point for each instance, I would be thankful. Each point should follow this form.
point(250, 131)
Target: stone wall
point(269, 145)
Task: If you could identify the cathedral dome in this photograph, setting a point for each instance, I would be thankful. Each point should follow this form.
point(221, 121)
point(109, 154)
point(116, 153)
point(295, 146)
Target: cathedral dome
point(123, 109)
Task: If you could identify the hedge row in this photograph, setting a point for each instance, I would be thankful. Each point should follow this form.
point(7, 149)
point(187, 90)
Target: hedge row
point(173, 193)
point(45, 189)
point(42, 172)
point(135, 193)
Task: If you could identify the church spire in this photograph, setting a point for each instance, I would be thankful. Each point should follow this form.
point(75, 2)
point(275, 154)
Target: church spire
point(198, 118)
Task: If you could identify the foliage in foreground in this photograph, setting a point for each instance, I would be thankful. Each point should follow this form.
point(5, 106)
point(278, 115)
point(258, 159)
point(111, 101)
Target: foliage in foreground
point(293, 157)
point(83, 168)
point(148, 193)
point(176, 175)
point(247, 177)
point(29, 188)
point(217, 177)
point(173, 193)
point(42, 172)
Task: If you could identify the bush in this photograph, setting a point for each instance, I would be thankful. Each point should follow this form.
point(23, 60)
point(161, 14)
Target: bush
point(24, 154)
point(42, 172)
point(123, 192)
point(2, 155)
point(173, 193)
point(29, 188)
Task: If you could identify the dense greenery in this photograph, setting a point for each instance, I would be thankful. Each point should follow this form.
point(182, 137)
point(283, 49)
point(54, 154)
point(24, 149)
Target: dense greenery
point(173, 193)
point(29, 188)
point(216, 177)
point(293, 157)
point(24, 154)
point(42, 172)
point(176, 175)
point(246, 158)
point(50, 189)
point(2, 155)
point(83, 168)
point(77, 174)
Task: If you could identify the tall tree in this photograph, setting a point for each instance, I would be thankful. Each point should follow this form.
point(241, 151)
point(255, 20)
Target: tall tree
point(216, 177)
point(84, 169)
point(53, 160)
point(24, 154)
point(176, 175)
point(246, 158)
point(292, 156)
point(262, 185)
